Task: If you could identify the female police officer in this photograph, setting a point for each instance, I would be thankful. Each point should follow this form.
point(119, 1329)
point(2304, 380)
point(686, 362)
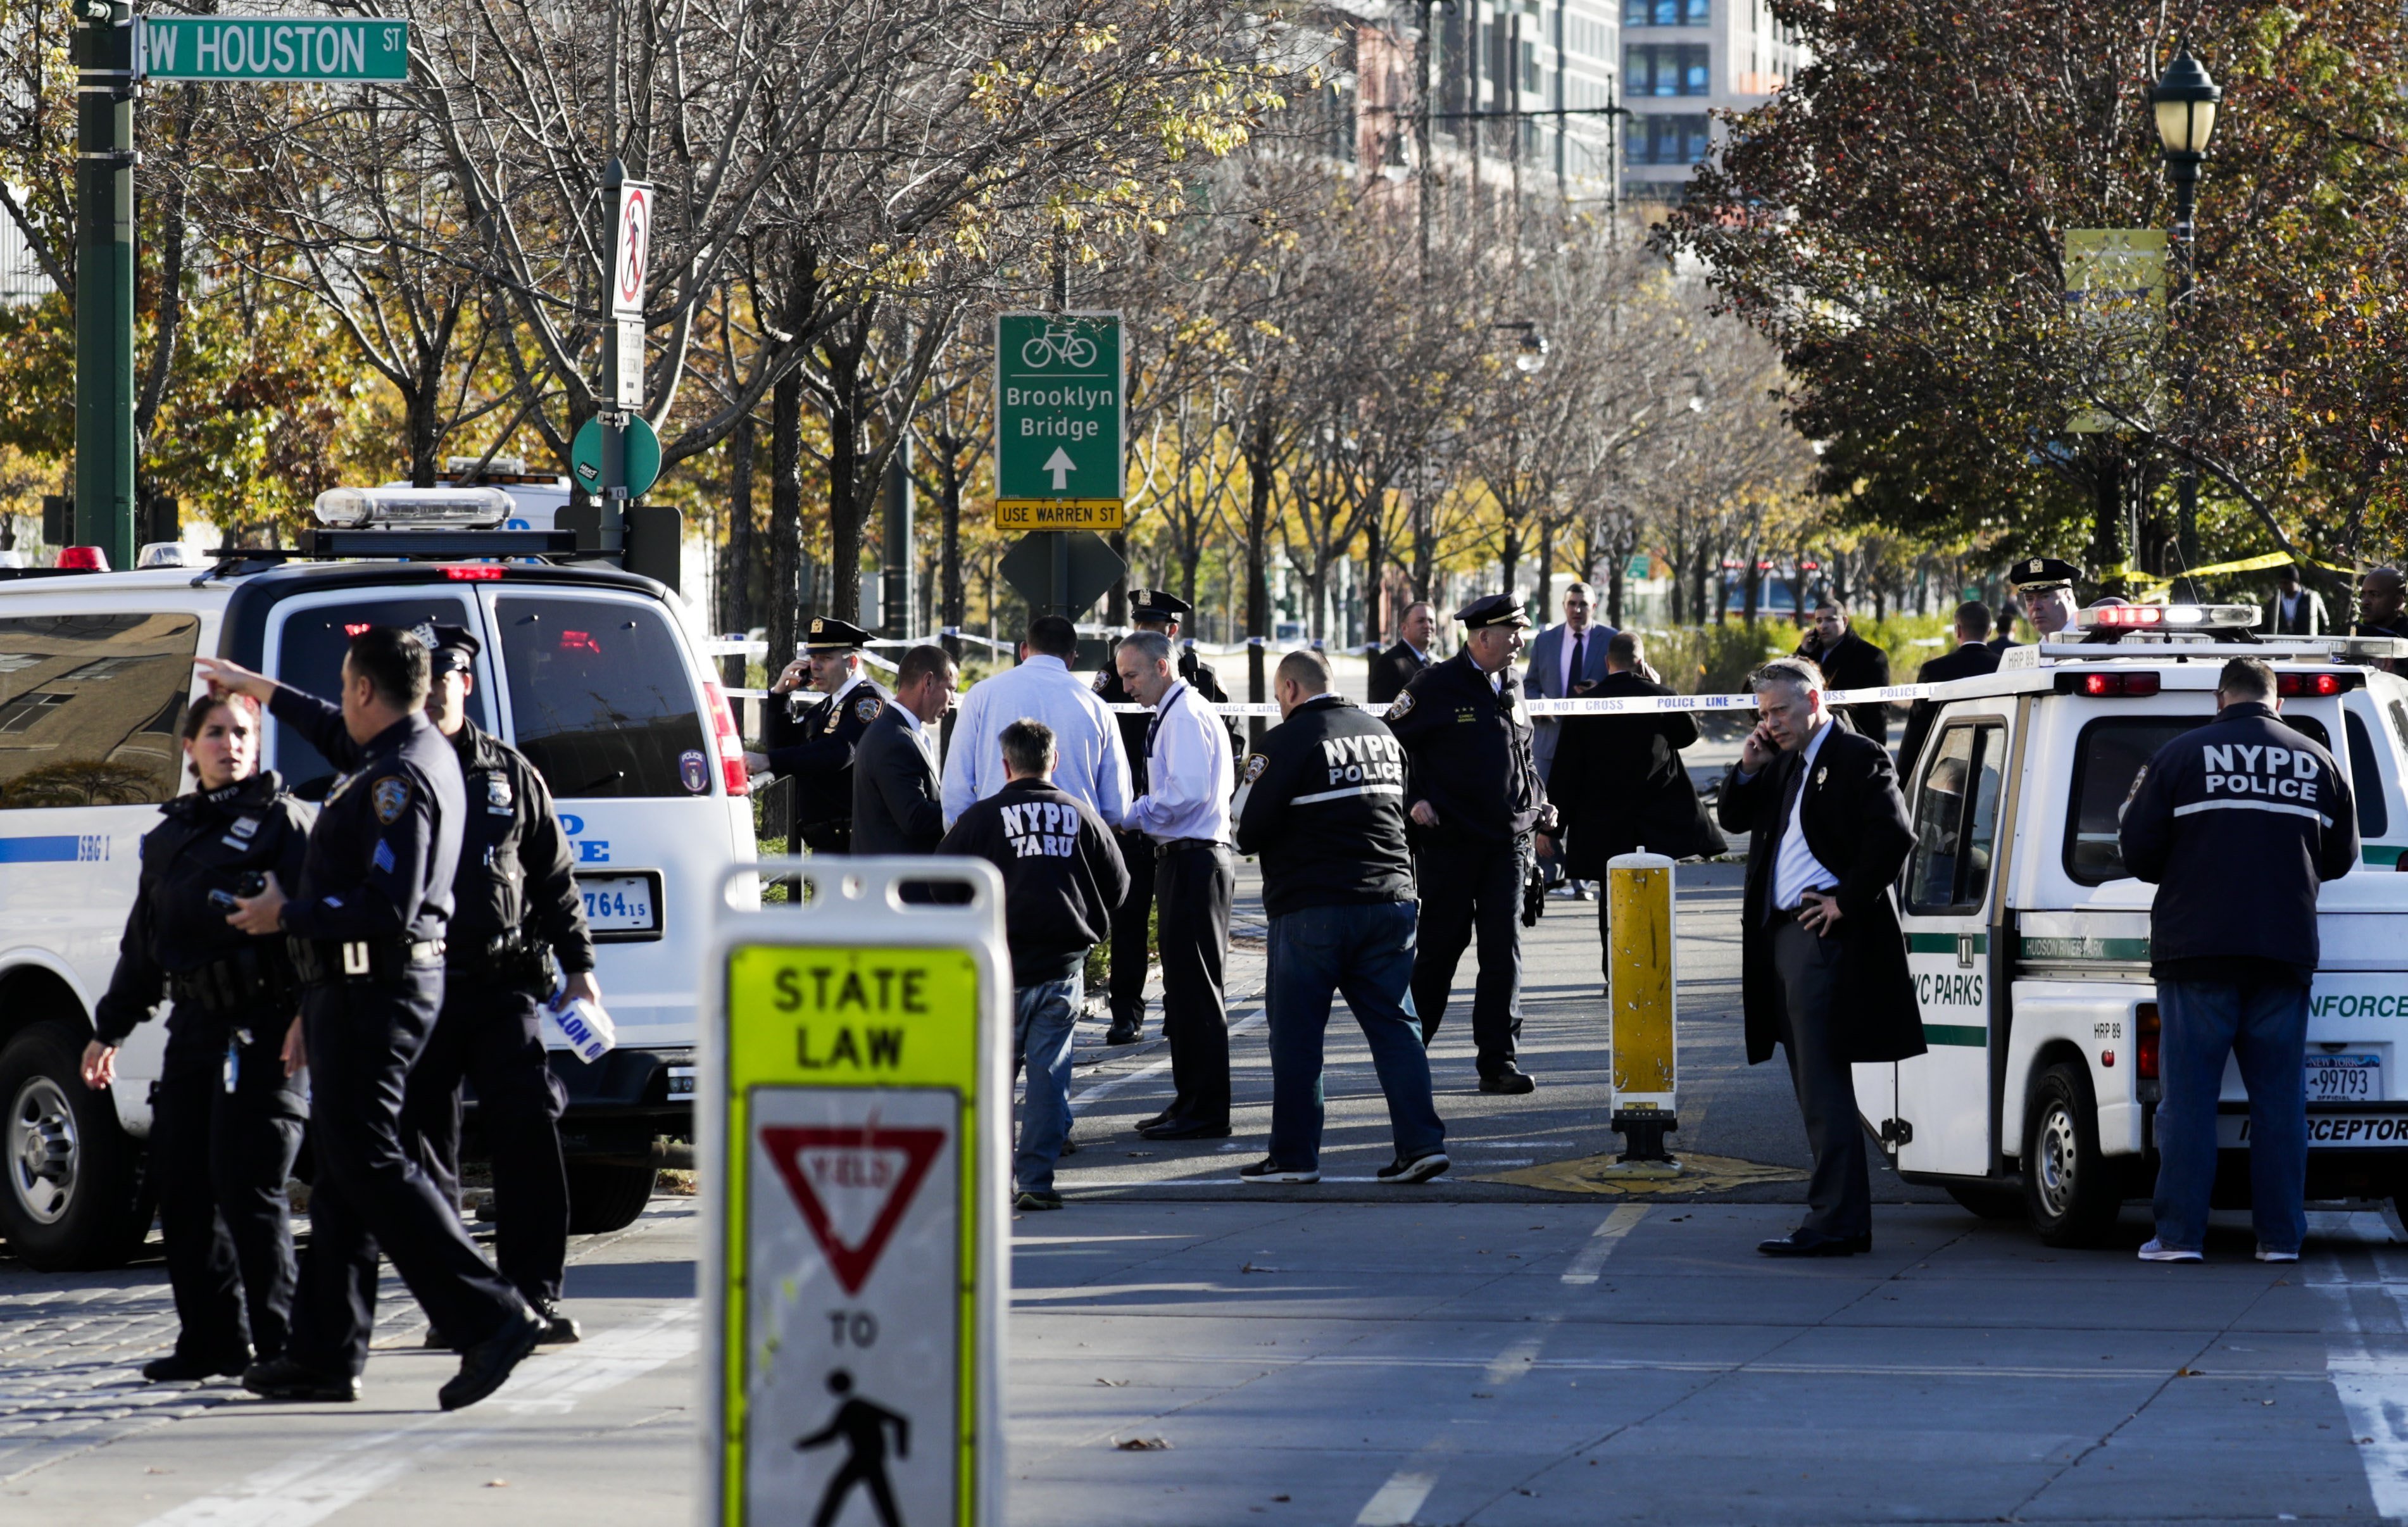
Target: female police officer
point(226, 1122)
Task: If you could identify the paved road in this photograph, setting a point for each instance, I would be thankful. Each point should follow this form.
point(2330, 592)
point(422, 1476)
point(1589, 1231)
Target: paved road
point(1478, 1350)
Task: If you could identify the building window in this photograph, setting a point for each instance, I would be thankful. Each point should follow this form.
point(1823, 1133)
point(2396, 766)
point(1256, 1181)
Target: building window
point(1668, 140)
point(1666, 12)
point(1666, 68)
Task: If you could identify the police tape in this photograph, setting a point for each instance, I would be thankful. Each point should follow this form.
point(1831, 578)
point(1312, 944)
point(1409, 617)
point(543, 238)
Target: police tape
point(1627, 705)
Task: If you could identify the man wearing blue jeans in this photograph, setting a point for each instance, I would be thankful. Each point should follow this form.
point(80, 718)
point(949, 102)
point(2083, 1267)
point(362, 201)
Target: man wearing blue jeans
point(1063, 876)
point(2243, 795)
point(1323, 803)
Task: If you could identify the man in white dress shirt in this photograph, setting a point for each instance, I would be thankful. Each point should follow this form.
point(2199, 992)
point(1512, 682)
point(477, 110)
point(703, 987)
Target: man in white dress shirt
point(1184, 814)
point(1090, 761)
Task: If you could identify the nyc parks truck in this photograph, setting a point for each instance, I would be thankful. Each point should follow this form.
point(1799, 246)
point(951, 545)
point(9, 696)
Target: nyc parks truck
point(2029, 942)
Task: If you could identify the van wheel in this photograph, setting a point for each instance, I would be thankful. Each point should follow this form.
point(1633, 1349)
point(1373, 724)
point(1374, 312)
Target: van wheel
point(2071, 1191)
point(605, 1197)
point(1990, 1200)
point(73, 1197)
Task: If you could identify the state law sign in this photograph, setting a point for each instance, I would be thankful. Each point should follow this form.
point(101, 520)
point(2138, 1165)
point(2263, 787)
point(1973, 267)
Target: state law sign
point(1060, 430)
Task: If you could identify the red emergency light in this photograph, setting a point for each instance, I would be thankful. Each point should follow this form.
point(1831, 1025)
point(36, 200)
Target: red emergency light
point(83, 559)
point(478, 574)
point(354, 630)
point(2308, 686)
point(580, 642)
point(2145, 1021)
point(2115, 685)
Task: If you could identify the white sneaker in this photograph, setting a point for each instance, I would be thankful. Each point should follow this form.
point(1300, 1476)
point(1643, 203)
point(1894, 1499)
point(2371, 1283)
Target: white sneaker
point(2158, 1250)
point(1268, 1171)
point(2267, 1254)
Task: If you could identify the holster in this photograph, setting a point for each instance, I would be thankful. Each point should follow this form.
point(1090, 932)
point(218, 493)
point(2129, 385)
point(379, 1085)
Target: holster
point(372, 962)
point(510, 960)
point(253, 977)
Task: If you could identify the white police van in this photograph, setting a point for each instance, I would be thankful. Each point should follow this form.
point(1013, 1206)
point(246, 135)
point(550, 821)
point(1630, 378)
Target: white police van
point(595, 674)
point(2029, 944)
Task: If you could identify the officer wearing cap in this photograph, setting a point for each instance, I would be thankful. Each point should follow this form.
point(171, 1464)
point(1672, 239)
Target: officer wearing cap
point(515, 908)
point(2045, 586)
point(1150, 610)
point(813, 746)
point(365, 928)
point(1474, 797)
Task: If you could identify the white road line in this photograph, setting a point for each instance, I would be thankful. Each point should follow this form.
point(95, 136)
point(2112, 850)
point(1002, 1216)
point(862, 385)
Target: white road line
point(1602, 1241)
point(1106, 1088)
point(1397, 1500)
point(309, 1487)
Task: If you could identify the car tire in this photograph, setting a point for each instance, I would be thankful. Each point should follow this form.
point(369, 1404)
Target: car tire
point(1990, 1200)
point(2071, 1192)
point(73, 1196)
point(604, 1196)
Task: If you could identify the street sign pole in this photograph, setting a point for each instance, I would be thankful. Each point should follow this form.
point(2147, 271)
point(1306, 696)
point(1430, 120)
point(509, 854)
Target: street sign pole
point(853, 1121)
point(104, 464)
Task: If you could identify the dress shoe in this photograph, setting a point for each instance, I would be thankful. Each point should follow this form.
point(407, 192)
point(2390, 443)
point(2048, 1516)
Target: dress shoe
point(1509, 1080)
point(1806, 1243)
point(1159, 1121)
point(438, 1342)
point(485, 1366)
point(1127, 1026)
point(176, 1368)
point(282, 1378)
point(1188, 1128)
point(559, 1329)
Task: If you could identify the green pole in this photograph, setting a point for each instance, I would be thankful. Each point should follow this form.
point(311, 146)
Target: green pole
point(104, 475)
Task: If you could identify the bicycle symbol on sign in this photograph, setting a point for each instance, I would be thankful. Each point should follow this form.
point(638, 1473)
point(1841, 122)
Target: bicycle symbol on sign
point(1054, 346)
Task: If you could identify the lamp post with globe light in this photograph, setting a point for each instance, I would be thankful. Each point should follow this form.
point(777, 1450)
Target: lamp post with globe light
point(2184, 100)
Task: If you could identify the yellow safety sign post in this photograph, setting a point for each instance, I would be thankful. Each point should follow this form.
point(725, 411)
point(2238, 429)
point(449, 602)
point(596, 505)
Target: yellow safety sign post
point(854, 1118)
point(1642, 974)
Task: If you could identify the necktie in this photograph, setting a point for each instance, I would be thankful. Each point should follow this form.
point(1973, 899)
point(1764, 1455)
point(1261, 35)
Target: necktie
point(1572, 673)
point(1790, 790)
point(1152, 726)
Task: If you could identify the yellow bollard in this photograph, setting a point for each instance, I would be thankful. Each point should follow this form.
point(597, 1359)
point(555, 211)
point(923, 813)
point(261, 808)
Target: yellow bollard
point(1642, 976)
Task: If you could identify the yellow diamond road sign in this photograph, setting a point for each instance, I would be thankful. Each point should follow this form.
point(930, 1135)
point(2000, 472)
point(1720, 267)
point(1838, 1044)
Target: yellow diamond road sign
point(857, 1239)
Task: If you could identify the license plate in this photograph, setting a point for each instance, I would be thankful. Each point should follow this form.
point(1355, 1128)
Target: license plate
point(618, 903)
point(2344, 1078)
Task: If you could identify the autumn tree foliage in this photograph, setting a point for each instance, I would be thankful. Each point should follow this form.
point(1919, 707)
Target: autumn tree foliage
point(1895, 222)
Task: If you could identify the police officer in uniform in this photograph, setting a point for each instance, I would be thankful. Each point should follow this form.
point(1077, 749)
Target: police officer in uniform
point(2045, 586)
point(813, 744)
point(1474, 797)
point(1150, 610)
point(366, 926)
point(515, 909)
point(225, 1120)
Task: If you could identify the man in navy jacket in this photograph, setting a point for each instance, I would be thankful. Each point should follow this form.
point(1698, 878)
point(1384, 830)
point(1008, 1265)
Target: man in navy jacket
point(2241, 797)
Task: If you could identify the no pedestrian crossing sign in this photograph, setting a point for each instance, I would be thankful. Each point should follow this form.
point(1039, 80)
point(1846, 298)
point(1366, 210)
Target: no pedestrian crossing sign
point(854, 1109)
point(1060, 447)
point(271, 48)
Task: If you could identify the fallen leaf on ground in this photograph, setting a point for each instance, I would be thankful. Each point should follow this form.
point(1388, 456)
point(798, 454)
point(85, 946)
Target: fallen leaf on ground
point(1112, 1383)
point(1142, 1445)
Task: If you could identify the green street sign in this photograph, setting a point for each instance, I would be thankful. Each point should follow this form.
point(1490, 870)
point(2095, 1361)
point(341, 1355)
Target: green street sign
point(643, 456)
point(1060, 448)
point(271, 48)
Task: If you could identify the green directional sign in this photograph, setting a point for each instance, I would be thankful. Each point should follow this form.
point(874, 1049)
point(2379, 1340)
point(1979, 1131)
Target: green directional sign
point(296, 48)
point(1060, 447)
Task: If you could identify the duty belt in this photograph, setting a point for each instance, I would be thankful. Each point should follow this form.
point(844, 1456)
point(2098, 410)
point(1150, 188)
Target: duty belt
point(241, 980)
point(321, 961)
point(512, 958)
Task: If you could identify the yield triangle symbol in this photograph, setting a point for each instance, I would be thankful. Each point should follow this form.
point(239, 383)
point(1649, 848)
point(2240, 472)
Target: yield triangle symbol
point(851, 1184)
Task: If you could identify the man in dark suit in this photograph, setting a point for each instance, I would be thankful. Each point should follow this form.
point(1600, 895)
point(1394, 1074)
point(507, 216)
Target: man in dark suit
point(1823, 963)
point(2294, 610)
point(1565, 660)
point(1618, 781)
point(1848, 661)
point(1973, 657)
point(2010, 611)
point(1393, 669)
point(897, 807)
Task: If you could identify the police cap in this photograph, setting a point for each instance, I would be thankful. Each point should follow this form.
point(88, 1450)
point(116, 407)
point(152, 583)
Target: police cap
point(1495, 609)
point(1158, 604)
point(450, 649)
point(2036, 574)
point(829, 634)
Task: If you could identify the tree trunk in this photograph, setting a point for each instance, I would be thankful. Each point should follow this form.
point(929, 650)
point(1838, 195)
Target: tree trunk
point(735, 577)
point(950, 479)
point(845, 517)
point(1375, 592)
point(785, 519)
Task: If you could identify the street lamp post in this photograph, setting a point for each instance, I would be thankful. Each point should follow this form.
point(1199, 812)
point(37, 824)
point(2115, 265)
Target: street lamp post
point(2184, 100)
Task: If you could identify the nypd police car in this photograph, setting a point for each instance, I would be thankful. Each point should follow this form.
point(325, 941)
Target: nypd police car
point(595, 674)
point(2028, 941)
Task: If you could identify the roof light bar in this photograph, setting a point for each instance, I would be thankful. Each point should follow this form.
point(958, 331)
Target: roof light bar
point(413, 509)
point(2168, 617)
point(2110, 684)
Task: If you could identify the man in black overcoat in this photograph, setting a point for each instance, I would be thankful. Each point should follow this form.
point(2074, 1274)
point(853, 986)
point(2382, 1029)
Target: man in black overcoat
point(1823, 962)
point(1848, 661)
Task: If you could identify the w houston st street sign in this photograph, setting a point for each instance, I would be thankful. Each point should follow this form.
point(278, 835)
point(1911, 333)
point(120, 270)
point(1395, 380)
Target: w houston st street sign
point(271, 48)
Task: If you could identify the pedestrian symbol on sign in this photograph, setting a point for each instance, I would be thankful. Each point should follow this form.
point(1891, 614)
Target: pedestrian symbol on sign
point(863, 1426)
